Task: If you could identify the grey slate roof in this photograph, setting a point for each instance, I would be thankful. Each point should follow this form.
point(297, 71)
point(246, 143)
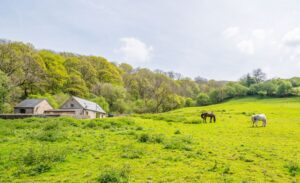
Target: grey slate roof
point(89, 105)
point(29, 103)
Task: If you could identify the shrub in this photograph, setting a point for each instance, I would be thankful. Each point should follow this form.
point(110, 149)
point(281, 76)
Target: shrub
point(114, 176)
point(144, 138)
point(157, 138)
point(91, 124)
point(293, 168)
point(139, 128)
point(37, 161)
point(51, 126)
point(177, 132)
point(50, 136)
point(153, 138)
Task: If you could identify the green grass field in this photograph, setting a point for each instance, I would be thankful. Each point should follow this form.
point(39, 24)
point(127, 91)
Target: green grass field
point(169, 147)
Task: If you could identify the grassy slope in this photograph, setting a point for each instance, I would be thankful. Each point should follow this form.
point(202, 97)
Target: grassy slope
point(79, 151)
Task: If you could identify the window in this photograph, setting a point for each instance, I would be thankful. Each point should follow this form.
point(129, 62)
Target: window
point(71, 105)
point(22, 111)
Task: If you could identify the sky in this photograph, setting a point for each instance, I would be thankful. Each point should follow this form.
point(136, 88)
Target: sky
point(214, 39)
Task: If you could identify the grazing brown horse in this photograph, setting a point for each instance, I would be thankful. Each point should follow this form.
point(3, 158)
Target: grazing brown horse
point(211, 115)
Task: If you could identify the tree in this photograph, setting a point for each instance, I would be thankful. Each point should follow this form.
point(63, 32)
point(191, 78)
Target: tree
point(270, 87)
point(111, 93)
point(217, 95)
point(4, 90)
point(258, 76)
point(75, 85)
point(200, 80)
point(187, 88)
point(284, 88)
point(80, 64)
point(106, 71)
point(233, 89)
point(57, 75)
point(203, 99)
point(126, 68)
point(189, 102)
point(247, 80)
point(172, 102)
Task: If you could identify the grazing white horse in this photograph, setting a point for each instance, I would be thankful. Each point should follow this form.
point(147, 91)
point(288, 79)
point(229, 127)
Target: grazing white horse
point(259, 117)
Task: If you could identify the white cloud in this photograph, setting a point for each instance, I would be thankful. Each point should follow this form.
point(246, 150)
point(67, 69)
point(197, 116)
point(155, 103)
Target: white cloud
point(292, 38)
point(231, 32)
point(259, 34)
point(246, 46)
point(134, 50)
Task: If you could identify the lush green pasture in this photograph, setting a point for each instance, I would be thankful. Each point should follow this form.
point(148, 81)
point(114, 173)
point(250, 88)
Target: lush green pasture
point(168, 147)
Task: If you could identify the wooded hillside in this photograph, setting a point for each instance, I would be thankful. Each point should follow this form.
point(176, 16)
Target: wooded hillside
point(26, 72)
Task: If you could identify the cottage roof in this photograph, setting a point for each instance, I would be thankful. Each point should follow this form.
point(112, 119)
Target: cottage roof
point(30, 102)
point(89, 105)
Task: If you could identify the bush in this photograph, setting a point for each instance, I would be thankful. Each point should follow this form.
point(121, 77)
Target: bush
point(50, 136)
point(139, 128)
point(51, 126)
point(144, 138)
point(153, 138)
point(114, 176)
point(293, 168)
point(37, 161)
point(177, 132)
point(91, 124)
point(157, 138)
point(131, 152)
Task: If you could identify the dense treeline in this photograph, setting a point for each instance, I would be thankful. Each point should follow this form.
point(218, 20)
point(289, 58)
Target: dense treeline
point(26, 72)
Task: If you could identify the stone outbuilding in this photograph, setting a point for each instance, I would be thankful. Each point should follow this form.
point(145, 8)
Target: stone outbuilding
point(32, 106)
point(79, 108)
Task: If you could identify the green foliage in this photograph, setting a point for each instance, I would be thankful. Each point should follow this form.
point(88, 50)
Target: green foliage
point(55, 100)
point(180, 143)
point(131, 152)
point(106, 71)
point(293, 168)
point(189, 102)
point(76, 85)
point(114, 176)
point(4, 90)
point(151, 138)
point(38, 161)
point(217, 95)
point(284, 88)
point(203, 99)
point(57, 75)
point(101, 102)
point(28, 72)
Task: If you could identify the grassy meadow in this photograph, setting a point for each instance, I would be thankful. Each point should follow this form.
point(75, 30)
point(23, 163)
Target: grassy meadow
point(168, 147)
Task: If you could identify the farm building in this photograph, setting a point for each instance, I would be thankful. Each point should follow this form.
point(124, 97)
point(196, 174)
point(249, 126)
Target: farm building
point(79, 108)
point(32, 106)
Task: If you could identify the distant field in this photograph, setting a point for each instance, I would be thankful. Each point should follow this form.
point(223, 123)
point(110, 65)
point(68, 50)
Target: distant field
point(168, 147)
